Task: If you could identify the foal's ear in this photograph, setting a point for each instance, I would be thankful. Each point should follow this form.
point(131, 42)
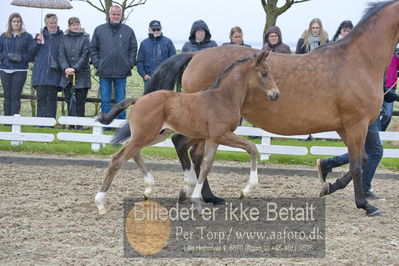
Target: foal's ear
point(263, 55)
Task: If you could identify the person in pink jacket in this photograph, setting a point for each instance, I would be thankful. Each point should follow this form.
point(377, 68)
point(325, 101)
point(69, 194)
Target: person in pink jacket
point(390, 81)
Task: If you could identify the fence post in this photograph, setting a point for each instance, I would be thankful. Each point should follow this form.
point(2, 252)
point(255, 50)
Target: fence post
point(265, 141)
point(97, 130)
point(16, 129)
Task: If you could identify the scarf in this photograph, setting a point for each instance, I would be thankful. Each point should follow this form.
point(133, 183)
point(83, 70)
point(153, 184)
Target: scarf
point(314, 42)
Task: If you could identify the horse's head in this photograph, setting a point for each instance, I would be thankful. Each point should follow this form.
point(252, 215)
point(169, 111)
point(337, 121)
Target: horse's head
point(262, 78)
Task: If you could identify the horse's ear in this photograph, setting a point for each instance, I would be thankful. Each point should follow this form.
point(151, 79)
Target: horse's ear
point(262, 56)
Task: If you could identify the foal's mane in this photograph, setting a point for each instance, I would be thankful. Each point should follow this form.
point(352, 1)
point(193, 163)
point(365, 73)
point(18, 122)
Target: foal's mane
point(228, 68)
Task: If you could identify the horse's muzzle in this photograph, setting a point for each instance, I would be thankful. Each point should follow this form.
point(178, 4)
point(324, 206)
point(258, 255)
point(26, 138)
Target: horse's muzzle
point(273, 95)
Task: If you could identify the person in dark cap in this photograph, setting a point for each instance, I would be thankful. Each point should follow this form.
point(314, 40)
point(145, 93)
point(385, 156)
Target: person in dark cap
point(273, 41)
point(153, 51)
point(200, 38)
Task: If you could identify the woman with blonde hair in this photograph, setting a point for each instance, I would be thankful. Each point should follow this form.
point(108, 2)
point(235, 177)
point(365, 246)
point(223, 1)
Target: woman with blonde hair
point(14, 57)
point(312, 38)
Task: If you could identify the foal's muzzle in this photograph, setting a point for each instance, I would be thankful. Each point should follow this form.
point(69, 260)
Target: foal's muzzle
point(273, 94)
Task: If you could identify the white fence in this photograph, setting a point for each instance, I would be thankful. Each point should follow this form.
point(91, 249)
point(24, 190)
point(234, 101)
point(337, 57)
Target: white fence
point(98, 139)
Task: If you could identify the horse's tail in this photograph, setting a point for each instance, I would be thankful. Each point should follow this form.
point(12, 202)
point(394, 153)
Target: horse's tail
point(169, 73)
point(122, 134)
point(116, 110)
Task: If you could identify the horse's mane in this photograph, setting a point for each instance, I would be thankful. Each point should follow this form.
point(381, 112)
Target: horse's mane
point(370, 12)
point(228, 68)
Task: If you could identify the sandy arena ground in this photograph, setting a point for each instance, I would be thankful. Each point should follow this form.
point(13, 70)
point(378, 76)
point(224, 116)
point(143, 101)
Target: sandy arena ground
point(48, 216)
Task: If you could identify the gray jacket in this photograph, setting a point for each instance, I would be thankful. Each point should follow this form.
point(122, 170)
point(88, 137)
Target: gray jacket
point(113, 50)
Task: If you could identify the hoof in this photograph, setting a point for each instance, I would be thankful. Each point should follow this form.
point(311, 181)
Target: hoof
point(215, 200)
point(145, 197)
point(102, 211)
point(182, 196)
point(375, 213)
point(325, 189)
point(242, 195)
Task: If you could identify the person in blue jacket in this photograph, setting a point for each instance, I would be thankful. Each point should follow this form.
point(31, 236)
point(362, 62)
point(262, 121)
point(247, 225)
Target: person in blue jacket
point(153, 51)
point(14, 57)
point(46, 71)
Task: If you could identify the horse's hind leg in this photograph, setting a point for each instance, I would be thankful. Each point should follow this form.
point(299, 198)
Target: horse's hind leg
point(231, 139)
point(117, 161)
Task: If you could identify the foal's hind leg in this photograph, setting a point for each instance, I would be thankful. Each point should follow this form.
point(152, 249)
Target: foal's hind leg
point(231, 139)
point(149, 180)
point(118, 159)
point(206, 165)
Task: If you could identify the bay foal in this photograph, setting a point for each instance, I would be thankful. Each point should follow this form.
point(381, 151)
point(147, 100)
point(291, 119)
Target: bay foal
point(212, 115)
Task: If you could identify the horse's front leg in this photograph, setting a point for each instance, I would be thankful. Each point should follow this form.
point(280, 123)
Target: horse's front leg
point(206, 165)
point(355, 136)
point(233, 140)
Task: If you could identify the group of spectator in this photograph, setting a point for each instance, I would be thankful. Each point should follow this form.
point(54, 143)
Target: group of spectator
point(61, 60)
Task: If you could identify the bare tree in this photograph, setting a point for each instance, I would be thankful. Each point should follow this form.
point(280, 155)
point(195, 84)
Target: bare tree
point(126, 5)
point(272, 11)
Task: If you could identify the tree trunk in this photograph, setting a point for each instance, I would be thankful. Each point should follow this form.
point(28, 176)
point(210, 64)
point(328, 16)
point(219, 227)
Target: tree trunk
point(272, 11)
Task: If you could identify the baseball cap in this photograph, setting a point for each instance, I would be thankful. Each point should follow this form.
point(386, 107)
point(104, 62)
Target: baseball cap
point(155, 24)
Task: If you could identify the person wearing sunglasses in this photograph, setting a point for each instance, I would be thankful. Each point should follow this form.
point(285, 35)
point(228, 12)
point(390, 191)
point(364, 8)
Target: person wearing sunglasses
point(153, 51)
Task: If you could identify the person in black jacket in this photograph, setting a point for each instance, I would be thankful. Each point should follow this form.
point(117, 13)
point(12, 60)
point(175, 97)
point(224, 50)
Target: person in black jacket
point(113, 51)
point(73, 56)
point(46, 71)
point(200, 38)
point(14, 54)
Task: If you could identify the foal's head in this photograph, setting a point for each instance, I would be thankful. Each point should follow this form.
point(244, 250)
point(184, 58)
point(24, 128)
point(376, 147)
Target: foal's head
point(260, 78)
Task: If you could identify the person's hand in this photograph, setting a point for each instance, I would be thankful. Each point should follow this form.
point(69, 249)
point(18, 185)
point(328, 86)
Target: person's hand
point(146, 77)
point(69, 71)
point(39, 38)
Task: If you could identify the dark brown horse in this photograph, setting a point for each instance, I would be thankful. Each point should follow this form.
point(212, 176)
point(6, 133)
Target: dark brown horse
point(337, 87)
point(211, 115)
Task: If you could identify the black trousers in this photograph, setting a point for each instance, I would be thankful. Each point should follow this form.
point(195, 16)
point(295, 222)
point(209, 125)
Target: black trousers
point(46, 100)
point(80, 101)
point(13, 83)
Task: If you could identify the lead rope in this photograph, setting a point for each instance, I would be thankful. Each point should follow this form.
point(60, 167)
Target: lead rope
point(391, 87)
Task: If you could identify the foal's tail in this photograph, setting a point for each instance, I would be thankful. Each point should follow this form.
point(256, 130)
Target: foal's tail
point(122, 133)
point(106, 119)
point(169, 73)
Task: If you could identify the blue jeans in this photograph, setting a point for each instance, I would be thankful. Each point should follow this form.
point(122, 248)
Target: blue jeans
point(106, 93)
point(374, 152)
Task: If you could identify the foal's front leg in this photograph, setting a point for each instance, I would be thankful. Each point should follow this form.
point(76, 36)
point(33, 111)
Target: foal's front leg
point(232, 140)
point(206, 165)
